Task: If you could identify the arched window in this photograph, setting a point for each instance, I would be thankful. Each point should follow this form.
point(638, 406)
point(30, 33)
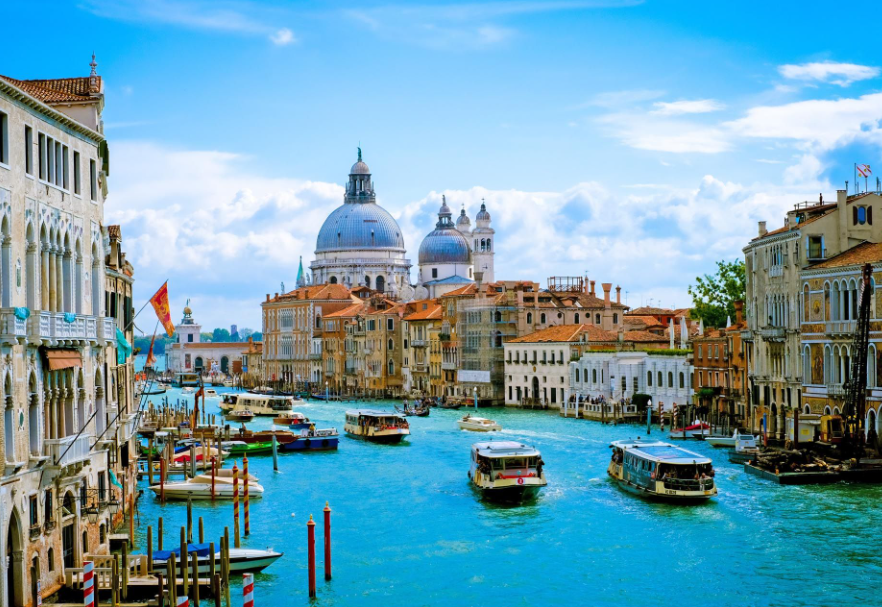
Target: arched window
point(488, 244)
point(333, 280)
point(497, 316)
point(367, 281)
point(597, 319)
point(529, 318)
point(542, 318)
point(483, 245)
point(380, 284)
point(391, 344)
point(660, 383)
point(391, 367)
point(682, 380)
point(594, 375)
point(670, 379)
point(584, 376)
point(649, 378)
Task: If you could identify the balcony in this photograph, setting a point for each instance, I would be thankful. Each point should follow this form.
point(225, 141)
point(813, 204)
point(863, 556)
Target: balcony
point(420, 367)
point(772, 333)
point(62, 328)
point(841, 328)
point(129, 423)
point(746, 335)
point(68, 450)
point(13, 330)
point(315, 356)
point(448, 366)
point(418, 343)
point(835, 390)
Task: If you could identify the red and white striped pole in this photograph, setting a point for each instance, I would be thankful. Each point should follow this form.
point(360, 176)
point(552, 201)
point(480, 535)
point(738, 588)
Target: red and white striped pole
point(235, 505)
point(248, 590)
point(88, 584)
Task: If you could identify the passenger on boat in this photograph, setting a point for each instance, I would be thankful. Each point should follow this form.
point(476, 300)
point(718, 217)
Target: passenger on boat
point(539, 465)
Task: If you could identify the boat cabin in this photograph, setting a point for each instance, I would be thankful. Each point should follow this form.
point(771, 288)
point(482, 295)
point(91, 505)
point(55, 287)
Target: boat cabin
point(645, 462)
point(376, 419)
point(183, 380)
point(832, 429)
point(506, 459)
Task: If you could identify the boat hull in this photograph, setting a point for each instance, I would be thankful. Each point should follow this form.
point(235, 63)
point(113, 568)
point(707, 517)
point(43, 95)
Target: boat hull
point(727, 442)
point(241, 561)
point(383, 439)
point(478, 428)
point(683, 497)
point(200, 491)
point(318, 443)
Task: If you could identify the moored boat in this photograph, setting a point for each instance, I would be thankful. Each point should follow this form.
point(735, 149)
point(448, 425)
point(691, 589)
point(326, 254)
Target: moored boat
point(478, 424)
point(239, 415)
point(506, 470)
point(745, 449)
point(698, 430)
point(376, 426)
point(661, 470)
point(259, 404)
point(325, 439)
point(242, 560)
point(726, 441)
point(211, 393)
point(293, 420)
point(199, 487)
point(237, 447)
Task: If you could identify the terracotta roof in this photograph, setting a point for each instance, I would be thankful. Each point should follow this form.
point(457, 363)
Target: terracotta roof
point(644, 337)
point(324, 291)
point(349, 312)
point(648, 311)
point(565, 333)
point(646, 321)
point(424, 310)
point(57, 90)
point(866, 252)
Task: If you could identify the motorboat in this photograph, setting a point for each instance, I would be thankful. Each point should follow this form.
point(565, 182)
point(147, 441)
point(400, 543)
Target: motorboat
point(239, 415)
point(745, 449)
point(325, 439)
point(376, 426)
point(292, 420)
point(200, 488)
point(726, 441)
point(188, 390)
point(228, 383)
point(259, 404)
point(506, 470)
point(661, 470)
point(478, 424)
point(242, 560)
point(698, 430)
point(211, 393)
point(237, 447)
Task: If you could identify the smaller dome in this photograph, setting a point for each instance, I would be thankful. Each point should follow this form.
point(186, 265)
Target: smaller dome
point(463, 219)
point(445, 210)
point(444, 245)
point(483, 215)
point(359, 168)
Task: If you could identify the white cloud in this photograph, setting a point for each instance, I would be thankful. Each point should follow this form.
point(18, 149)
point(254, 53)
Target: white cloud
point(842, 74)
point(618, 99)
point(241, 17)
point(283, 37)
point(697, 106)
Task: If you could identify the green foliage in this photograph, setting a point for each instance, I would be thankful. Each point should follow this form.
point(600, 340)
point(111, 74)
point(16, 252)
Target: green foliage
point(669, 352)
point(219, 335)
point(257, 336)
point(206, 337)
point(142, 343)
point(713, 295)
point(245, 333)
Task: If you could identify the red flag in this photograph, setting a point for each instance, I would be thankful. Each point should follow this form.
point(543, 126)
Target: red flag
point(150, 357)
point(159, 301)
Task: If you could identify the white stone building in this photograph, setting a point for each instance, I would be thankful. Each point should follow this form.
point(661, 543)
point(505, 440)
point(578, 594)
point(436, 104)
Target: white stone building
point(667, 379)
point(68, 418)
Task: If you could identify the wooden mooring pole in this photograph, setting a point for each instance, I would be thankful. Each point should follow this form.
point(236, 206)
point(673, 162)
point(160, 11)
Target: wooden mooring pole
point(327, 541)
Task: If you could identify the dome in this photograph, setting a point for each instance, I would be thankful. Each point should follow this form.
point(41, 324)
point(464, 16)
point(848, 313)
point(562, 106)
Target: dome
point(483, 215)
point(188, 311)
point(463, 219)
point(444, 245)
point(359, 168)
point(359, 226)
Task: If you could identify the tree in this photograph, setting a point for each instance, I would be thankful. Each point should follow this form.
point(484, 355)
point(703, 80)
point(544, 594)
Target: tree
point(219, 335)
point(713, 296)
point(257, 335)
point(207, 337)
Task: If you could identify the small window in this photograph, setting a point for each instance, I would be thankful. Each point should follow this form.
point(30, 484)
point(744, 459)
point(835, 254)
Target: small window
point(76, 173)
point(50, 556)
point(93, 180)
point(576, 318)
point(390, 324)
point(542, 318)
point(597, 319)
point(34, 511)
point(4, 138)
point(29, 150)
point(190, 338)
point(434, 272)
point(529, 318)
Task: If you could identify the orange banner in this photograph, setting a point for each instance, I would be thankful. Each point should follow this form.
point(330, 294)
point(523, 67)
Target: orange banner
point(160, 306)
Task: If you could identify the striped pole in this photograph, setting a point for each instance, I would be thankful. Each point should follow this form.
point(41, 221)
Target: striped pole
point(245, 483)
point(248, 590)
point(88, 584)
point(235, 505)
point(310, 543)
point(213, 474)
point(184, 601)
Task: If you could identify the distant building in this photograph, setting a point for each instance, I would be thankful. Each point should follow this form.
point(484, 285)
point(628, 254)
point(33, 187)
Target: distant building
point(189, 354)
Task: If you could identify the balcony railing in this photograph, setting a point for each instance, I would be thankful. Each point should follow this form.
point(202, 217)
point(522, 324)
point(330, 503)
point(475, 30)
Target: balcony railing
point(418, 343)
point(129, 425)
point(776, 271)
point(746, 335)
point(12, 328)
point(68, 450)
point(772, 333)
point(315, 356)
point(59, 327)
point(841, 327)
point(448, 366)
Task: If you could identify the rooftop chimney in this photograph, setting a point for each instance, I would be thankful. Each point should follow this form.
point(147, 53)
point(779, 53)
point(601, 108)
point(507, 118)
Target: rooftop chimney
point(618, 295)
point(762, 228)
point(592, 287)
point(739, 306)
point(267, 296)
point(607, 287)
point(842, 211)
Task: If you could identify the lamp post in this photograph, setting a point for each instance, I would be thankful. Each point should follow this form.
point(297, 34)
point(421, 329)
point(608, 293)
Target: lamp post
point(326, 391)
point(476, 397)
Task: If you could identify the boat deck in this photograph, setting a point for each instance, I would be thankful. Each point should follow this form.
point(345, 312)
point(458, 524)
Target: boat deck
point(860, 475)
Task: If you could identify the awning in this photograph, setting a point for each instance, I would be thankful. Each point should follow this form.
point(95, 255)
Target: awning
point(63, 359)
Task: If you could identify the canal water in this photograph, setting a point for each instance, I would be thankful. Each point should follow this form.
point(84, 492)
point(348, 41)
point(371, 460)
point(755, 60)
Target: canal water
point(409, 530)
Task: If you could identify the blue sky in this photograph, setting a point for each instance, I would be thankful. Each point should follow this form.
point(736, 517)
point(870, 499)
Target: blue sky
point(637, 141)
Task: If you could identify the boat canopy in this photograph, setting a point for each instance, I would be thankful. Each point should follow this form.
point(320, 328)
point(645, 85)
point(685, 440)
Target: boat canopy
point(372, 413)
point(659, 451)
point(504, 449)
point(199, 549)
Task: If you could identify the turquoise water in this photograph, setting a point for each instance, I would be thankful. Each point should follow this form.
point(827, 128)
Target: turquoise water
point(409, 530)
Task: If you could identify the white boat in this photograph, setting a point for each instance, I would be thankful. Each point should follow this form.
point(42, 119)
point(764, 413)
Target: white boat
point(506, 470)
point(258, 404)
point(726, 441)
point(228, 383)
point(661, 470)
point(478, 424)
point(199, 487)
point(376, 426)
point(745, 449)
point(211, 393)
point(188, 390)
point(242, 560)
